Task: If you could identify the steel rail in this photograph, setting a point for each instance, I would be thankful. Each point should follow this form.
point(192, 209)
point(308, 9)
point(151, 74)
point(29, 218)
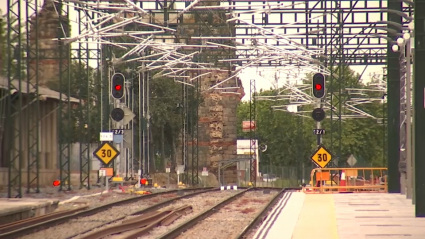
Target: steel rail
point(259, 218)
point(147, 210)
point(28, 221)
point(167, 220)
point(146, 223)
point(126, 226)
point(56, 221)
point(175, 232)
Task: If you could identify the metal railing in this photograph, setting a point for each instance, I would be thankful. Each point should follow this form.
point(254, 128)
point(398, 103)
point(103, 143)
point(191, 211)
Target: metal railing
point(358, 180)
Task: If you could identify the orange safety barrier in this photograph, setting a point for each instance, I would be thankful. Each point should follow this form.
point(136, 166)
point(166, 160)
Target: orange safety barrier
point(347, 180)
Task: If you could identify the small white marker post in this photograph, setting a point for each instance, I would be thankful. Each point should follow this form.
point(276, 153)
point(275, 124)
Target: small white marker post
point(204, 175)
point(180, 169)
point(139, 172)
point(168, 170)
point(178, 177)
point(102, 173)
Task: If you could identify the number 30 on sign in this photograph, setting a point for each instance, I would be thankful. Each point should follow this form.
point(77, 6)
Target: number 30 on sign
point(321, 157)
point(106, 153)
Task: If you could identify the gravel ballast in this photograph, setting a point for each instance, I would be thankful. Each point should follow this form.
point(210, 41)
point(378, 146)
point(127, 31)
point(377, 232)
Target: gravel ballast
point(199, 203)
point(232, 219)
point(85, 223)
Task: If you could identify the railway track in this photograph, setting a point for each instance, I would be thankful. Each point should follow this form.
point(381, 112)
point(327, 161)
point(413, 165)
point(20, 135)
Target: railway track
point(31, 225)
point(121, 224)
point(234, 217)
point(141, 225)
point(9, 227)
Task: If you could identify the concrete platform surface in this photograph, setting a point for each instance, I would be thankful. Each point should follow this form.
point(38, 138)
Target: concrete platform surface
point(13, 209)
point(377, 216)
point(289, 204)
point(343, 216)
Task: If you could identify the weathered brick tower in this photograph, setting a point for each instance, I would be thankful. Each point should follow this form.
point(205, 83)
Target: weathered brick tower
point(42, 40)
point(217, 125)
point(217, 133)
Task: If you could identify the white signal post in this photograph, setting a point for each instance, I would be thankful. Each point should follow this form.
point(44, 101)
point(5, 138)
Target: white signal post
point(205, 175)
point(118, 125)
point(168, 170)
point(102, 173)
point(318, 125)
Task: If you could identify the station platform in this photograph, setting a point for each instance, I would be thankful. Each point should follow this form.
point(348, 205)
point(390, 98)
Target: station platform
point(13, 209)
point(342, 216)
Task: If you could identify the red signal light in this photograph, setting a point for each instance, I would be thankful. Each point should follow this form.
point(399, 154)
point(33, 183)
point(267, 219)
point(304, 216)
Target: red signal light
point(318, 86)
point(118, 87)
point(143, 181)
point(56, 183)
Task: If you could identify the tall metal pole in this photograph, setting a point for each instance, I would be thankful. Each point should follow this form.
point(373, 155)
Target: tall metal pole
point(318, 125)
point(117, 125)
point(408, 122)
point(412, 145)
point(143, 142)
point(141, 152)
point(419, 110)
point(403, 119)
point(132, 129)
point(393, 102)
point(148, 133)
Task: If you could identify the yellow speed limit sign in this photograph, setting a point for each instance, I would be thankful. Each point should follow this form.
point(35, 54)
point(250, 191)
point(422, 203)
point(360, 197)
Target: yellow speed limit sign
point(321, 157)
point(106, 153)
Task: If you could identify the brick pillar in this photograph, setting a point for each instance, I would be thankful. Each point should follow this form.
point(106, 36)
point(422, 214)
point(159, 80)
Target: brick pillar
point(217, 124)
point(45, 35)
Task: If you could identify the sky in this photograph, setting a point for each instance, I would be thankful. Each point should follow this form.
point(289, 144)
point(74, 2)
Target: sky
point(266, 78)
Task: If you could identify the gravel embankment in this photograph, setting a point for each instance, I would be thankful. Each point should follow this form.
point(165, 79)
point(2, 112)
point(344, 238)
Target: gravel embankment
point(230, 220)
point(85, 223)
point(199, 203)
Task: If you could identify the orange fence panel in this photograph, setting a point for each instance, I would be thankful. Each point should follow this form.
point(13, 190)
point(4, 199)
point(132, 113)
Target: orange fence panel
point(347, 180)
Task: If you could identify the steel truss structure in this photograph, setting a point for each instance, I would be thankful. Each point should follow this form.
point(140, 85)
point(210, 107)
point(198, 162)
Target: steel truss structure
point(81, 56)
point(296, 36)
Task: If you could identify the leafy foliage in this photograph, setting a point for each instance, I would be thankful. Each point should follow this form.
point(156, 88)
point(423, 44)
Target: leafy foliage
point(13, 47)
point(82, 83)
point(290, 139)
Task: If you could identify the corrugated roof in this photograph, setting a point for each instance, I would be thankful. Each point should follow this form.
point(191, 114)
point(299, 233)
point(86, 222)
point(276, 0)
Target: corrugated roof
point(42, 91)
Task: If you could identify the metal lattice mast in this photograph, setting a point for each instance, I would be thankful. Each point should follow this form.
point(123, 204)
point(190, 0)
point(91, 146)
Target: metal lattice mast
point(403, 118)
point(195, 132)
point(252, 134)
point(33, 100)
point(14, 120)
point(85, 54)
point(65, 107)
point(185, 128)
point(335, 41)
point(105, 82)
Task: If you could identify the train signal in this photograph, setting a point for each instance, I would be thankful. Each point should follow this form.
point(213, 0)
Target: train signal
point(318, 114)
point(56, 183)
point(318, 85)
point(118, 81)
point(143, 181)
point(117, 114)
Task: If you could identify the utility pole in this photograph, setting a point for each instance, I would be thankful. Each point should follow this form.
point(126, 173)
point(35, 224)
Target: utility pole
point(408, 121)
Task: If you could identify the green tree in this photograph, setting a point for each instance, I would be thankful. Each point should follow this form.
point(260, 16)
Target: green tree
point(15, 50)
point(290, 139)
point(3, 43)
point(83, 84)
